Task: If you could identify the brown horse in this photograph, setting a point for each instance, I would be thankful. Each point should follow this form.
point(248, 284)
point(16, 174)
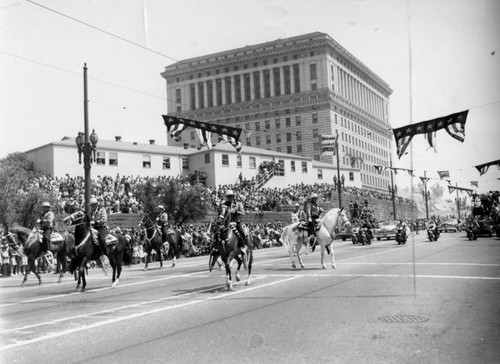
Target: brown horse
point(61, 247)
point(152, 239)
point(118, 253)
point(226, 244)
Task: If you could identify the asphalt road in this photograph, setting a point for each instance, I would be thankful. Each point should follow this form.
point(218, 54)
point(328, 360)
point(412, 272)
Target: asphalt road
point(379, 306)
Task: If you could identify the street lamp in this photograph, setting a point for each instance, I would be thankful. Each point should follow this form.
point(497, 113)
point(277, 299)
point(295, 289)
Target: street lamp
point(87, 145)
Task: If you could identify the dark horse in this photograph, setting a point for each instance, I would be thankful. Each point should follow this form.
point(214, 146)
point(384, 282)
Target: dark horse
point(118, 253)
point(31, 240)
point(152, 239)
point(227, 247)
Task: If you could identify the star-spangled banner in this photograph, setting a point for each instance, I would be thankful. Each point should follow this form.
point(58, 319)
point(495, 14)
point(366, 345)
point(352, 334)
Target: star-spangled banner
point(474, 183)
point(176, 125)
point(380, 169)
point(454, 125)
point(452, 189)
point(483, 168)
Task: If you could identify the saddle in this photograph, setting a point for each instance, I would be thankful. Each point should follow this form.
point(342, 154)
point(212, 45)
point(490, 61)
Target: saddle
point(111, 239)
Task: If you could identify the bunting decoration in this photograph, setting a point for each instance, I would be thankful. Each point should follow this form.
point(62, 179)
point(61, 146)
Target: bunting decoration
point(474, 183)
point(424, 179)
point(483, 168)
point(329, 143)
point(452, 189)
point(175, 126)
point(443, 174)
point(454, 125)
point(205, 138)
point(380, 169)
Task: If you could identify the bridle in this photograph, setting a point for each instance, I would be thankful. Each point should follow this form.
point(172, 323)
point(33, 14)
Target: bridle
point(142, 224)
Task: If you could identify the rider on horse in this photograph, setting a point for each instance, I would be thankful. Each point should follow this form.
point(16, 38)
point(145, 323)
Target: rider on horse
point(313, 211)
point(46, 222)
point(298, 214)
point(231, 211)
point(99, 219)
point(162, 221)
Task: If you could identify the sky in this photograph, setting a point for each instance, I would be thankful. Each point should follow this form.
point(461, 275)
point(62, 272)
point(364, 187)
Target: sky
point(438, 56)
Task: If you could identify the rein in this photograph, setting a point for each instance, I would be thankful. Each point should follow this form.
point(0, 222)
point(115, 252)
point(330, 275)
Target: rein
point(149, 228)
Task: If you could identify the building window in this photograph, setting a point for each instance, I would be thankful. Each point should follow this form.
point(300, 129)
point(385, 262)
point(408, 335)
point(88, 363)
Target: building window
point(278, 123)
point(210, 93)
point(312, 70)
point(267, 84)
point(218, 91)
point(257, 126)
point(207, 158)
point(288, 122)
point(288, 87)
point(185, 163)
point(225, 160)
point(351, 176)
point(314, 86)
point(316, 146)
point(320, 174)
point(292, 166)
point(227, 84)
point(257, 140)
point(178, 98)
point(146, 161)
point(268, 124)
point(192, 96)
point(166, 163)
point(315, 133)
point(268, 139)
point(298, 122)
point(298, 135)
point(251, 163)
point(113, 159)
point(314, 118)
point(201, 95)
point(278, 149)
point(304, 167)
point(288, 137)
point(101, 158)
point(239, 163)
point(296, 78)
point(289, 149)
point(277, 81)
point(278, 138)
point(192, 135)
point(256, 84)
point(237, 88)
point(299, 148)
point(246, 86)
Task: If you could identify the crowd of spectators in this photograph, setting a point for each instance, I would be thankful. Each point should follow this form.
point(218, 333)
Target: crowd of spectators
point(118, 194)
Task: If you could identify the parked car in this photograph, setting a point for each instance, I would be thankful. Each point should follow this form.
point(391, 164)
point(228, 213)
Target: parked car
point(347, 232)
point(451, 225)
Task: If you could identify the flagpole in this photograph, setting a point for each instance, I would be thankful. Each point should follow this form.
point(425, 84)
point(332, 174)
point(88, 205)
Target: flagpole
point(392, 192)
point(426, 198)
point(339, 187)
point(458, 202)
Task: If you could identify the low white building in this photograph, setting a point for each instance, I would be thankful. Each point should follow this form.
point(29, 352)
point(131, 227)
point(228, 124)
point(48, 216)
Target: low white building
point(221, 165)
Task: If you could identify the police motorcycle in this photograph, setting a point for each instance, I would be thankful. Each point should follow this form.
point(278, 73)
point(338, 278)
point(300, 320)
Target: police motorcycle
point(363, 236)
point(472, 232)
point(400, 235)
point(432, 233)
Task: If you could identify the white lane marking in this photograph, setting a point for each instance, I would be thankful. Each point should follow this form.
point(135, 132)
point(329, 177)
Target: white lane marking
point(102, 289)
point(333, 275)
point(140, 314)
point(426, 263)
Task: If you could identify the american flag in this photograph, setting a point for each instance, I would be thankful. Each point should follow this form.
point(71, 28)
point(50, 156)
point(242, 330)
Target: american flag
point(474, 183)
point(443, 174)
point(379, 169)
point(454, 124)
point(483, 168)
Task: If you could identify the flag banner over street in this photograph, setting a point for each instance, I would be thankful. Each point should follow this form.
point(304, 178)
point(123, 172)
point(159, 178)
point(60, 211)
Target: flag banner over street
point(452, 189)
point(483, 168)
point(424, 179)
point(175, 126)
point(454, 125)
point(443, 174)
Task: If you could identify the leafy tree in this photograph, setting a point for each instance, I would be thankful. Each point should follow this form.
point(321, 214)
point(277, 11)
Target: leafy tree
point(182, 202)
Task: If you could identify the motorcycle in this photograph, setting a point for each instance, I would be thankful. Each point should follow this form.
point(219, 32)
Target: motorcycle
point(432, 235)
point(472, 232)
point(363, 237)
point(400, 236)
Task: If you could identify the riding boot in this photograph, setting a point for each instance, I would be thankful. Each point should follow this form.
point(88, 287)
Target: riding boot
point(313, 241)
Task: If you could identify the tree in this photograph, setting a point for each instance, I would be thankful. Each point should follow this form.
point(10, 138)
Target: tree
point(182, 202)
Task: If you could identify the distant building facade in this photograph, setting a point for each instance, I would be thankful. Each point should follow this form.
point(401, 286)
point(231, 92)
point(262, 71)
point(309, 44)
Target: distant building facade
point(220, 165)
point(284, 94)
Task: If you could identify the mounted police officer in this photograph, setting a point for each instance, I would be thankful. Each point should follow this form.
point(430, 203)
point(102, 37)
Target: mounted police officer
point(232, 211)
point(313, 211)
point(46, 223)
point(162, 221)
point(298, 214)
point(99, 221)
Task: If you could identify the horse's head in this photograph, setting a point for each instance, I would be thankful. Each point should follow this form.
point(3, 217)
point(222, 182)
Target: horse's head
point(344, 221)
point(145, 222)
point(74, 218)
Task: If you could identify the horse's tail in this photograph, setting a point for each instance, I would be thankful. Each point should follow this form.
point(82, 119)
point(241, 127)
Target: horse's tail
point(284, 238)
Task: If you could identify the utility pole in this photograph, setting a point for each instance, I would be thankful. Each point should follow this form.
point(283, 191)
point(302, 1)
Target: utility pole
point(426, 198)
point(339, 184)
point(458, 202)
point(392, 193)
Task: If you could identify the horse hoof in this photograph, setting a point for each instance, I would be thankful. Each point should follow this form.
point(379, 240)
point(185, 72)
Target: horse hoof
point(294, 266)
point(113, 285)
point(173, 265)
point(302, 266)
point(237, 278)
point(323, 266)
point(334, 266)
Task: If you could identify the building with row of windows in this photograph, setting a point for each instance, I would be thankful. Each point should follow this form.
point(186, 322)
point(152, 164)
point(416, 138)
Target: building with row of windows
point(221, 165)
point(285, 94)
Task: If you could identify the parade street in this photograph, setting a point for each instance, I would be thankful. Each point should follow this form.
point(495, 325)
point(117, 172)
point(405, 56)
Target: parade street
point(378, 306)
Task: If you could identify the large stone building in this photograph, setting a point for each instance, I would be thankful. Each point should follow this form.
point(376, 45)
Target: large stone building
point(286, 93)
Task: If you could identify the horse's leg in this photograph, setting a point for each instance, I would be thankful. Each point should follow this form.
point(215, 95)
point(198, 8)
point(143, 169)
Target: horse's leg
point(31, 267)
point(250, 261)
point(214, 256)
point(229, 282)
point(147, 259)
point(240, 262)
point(334, 266)
point(322, 255)
point(300, 241)
point(61, 260)
point(158, 251)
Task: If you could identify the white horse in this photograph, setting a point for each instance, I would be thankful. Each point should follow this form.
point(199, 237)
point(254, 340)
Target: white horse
point(293, 237)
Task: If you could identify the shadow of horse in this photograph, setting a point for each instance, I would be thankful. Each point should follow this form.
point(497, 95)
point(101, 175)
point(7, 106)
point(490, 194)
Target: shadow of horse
point(31, 241)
